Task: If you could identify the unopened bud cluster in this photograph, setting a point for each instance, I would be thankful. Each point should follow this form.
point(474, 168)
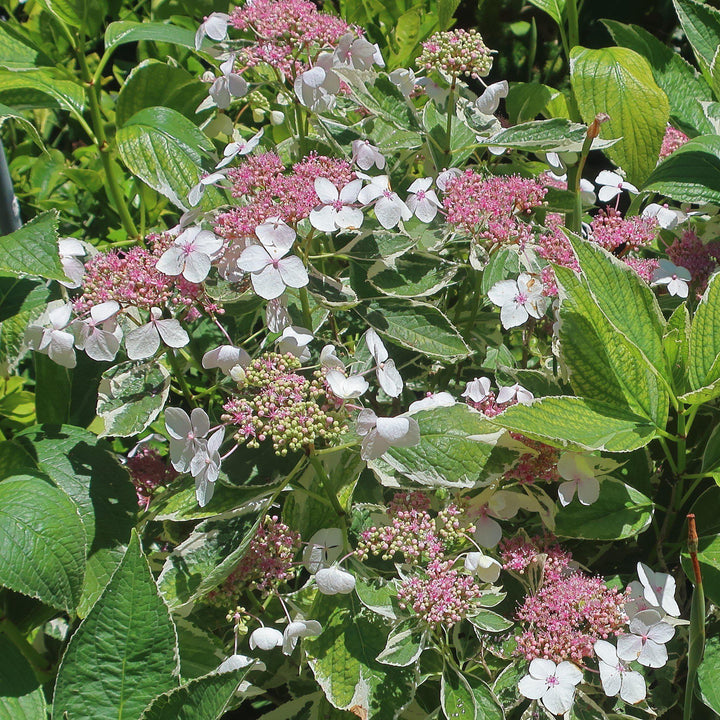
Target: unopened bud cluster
point(455, 53)
point(278, 404)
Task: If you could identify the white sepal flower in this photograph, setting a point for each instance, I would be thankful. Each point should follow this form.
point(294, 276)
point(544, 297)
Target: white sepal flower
point(485, 567)
point(675, 277)
point(191, 254)
point(489, 101)
point(99, 336)
point(228, 85)
point(365, 155)
point(70, 250)
point(323, 549)
point(240, 146)
point(225, 357)
point(659, 589)
point(337, 211)
point(380, 433)
point(404, 80)
point(48, 334)
point(358, 53)
point(581, 472)
point(295, 340)
point(387, 374)
point(205, 466)
point(144, 341)
point(423, 202)
point(617, 677)
point(666, 217)
point(238, 662)
point(299, 629)
point(346, 388)
point(514, 392)
point(329, 360)
point(186, 433)
point(646, 641)
point(519, 299)
point(611, 185)
point(554, 685)
point(389, 208)
point(214, 26)
point(430, 402)
point(265, 638)
point(197, 191)
point(637, 602)
point(277, 315)
point(334, 581)
point(477, 390)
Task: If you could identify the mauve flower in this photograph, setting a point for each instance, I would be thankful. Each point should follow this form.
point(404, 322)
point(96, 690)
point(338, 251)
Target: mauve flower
point(191, 254)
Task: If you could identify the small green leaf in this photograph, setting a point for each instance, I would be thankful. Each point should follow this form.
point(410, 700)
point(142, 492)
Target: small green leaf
point(676, 345)
point(21, 695)
point(124, 653)
point(125, 31)
point(33, 249)
point(44, 542)
point(411, 276)
point(619, 82)
point(83, 14)
point(404, 645)
point(705, 338)
point(7, 113)
point(456, 697)
point(131, 395)
point(418, 326)
point(53, 389)
point(446, 10)
point(620, 512)
point(526, 101)
point(489, 621)
point(701, 24)
point(18, 52)
point(40, 89)
point(330, 292)
point(554, 8)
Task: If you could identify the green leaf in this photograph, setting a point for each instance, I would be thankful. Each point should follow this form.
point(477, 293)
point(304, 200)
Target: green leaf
point(131, 395)
point(406, 36)
point(619, 82)
point(29, 89)
point(166, 151)
point(21, 695)
point(343, 662)
point(33, 249)
point(18, 52)
point(152, 79)
point(411, 276)
point(554, 135)
point(124, 653)
point(377, 595)
point(704, 366)
point(83, 14)
point(456, 696)
point(7, 113)
point(620, 512)
point(446, 10)
point(711, 453)
point(330, 292)
point(44, 542)
point(701, 24)
point(685, 89)
point(704, 508)
point(578, 424)
point(676, 344)
point(418, 326)
point(554, 8)
point(488, 706)
point(708, 674)
point(462, 137)
point(489, 621)
point(204, 698)
point(455, 443)
point(385, 100)
point(691, 174)
point(404, 645)
point(125, 31)
point(526, 101)
point(53, 388)
point(207, 557)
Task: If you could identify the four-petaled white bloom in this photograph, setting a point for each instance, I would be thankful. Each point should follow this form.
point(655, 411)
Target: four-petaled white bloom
point(240, 146)
point(271, 268)
point(99, 336)
point(329, 360)
point(519, 299)
point(197, 191)
point(646, 641)
point(334, 581)
point(214, 26)
point(659, 589)
point(611, 185)
point(554, 685)
point(404, 79)
point(48, 334)
point(295, 340)
point(423, 201)
point(485, 567)
point(186, 433)
point(337, 211)
point(489, 101)
point(144, 341)
point(265, 638)
point(617, 677)
point(501, 504)
point(676, 278)
point(389, 208)
point(317, 87)
point(379, 434)
point(365, 155)
point(299, 629)
point(346, 388)
point(581, 472)
point(225, 357)
point(205, 466)
point(191, 254)
point(387, 374)
point(666, 217)
point(70, 250)
point(637, 602)
point(323, 549)
point(229, 85)
point(514, 392)
point(358, 53)
point(477, 390)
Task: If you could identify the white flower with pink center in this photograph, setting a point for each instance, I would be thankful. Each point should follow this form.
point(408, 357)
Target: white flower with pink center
point(271, 269)
point(337, 211)
point(646, 641)
point(379, 434)
point(48, 334)
point(611, 185)
point(144, 341)
point(387, 374)
point(423, 202)
point(617, 677)
point(186, 433)
point(675, 277)
point(191, 254)
point(659, 589)
point(519, 299)
point(554, 685)
point(389, 208)
point(99, 335)
point(366, 155)
point(581, 473)
point(214, 26)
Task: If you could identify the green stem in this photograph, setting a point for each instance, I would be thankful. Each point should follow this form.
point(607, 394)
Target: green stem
point(327, 485)
point(574, 178)
point(696, 640)
point(447, 154)
point(305, 303)
point(180, 377)
point(668, 455)
point(41, 667)
point(113, 182)
point(573, 36)
point(681, 454)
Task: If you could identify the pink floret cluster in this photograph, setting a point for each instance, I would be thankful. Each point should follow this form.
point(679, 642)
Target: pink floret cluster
point(699, 258)
point(672, 140)
point(519, 553)
point(286, 30)
point(493, 209)
point(537, 465)
point(613, 232)
point(266, 190)
point(440, 596)
point(148, 471)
